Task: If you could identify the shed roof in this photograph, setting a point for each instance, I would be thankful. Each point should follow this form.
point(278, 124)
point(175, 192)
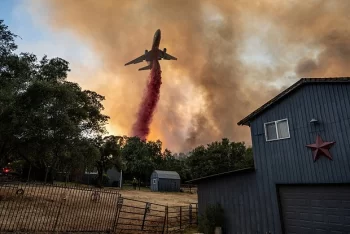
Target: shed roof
point(248, 169)
point(288, 91)
point(168, 174)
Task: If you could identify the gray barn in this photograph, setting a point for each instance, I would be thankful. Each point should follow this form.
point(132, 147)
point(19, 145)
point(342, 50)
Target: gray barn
point(165, 181)
point(298, 183)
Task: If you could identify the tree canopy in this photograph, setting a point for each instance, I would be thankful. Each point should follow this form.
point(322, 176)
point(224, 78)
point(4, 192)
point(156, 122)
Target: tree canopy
point(44, 118)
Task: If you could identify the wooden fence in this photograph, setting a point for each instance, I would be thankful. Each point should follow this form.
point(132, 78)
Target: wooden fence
point(188, 188)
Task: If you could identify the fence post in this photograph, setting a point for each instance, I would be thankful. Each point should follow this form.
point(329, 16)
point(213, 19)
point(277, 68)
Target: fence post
point(165, 218)
point(190, 214)
point(144, 215)
point(197, 214)
point(180, 216)
point(58, 215)
point(116, 217)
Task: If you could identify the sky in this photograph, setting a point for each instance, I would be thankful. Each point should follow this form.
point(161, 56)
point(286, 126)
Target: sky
point(232, 56)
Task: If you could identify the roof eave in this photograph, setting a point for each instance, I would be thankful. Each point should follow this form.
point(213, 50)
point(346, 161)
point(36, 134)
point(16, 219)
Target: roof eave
point(246, 121)
point(252, 115)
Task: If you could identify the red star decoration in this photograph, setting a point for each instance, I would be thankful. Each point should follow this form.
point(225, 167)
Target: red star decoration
point(321, 148)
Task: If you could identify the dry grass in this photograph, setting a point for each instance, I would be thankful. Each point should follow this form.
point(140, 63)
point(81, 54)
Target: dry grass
point(171, 199)
point(40, 207)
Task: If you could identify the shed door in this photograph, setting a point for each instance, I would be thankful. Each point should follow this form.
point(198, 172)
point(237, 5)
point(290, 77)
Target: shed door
point(321, 209)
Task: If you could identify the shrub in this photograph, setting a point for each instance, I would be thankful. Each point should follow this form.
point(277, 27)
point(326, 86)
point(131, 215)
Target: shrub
point(213, 217)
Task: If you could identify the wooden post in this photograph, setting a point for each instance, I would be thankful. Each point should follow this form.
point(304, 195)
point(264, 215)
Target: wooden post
point(180, 216)
point(165, 218)
point(190, 214)
point(196, 213)
point(117, 213)
point(58, 215)
point(148, 205)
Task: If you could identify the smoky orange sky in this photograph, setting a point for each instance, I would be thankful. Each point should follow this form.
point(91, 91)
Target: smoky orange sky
point(232, 57)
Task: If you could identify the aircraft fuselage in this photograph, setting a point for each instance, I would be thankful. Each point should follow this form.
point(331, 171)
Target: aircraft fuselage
point(156, 39)
point(155, 47)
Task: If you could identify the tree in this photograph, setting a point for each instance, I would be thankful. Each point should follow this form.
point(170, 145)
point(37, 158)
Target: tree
point(110, 155)
point(171, 163)
point(15, 73)
point(141, 157)
point(219, 157)
point(45, 118)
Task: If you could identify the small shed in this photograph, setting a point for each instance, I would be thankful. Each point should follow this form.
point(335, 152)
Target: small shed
point(165, 181)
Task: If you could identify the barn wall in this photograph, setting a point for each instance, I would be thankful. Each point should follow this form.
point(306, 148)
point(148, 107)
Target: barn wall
point(286, 161)
point(154, 187)
point(114, 177)
point(239, 198)
point(289, 161)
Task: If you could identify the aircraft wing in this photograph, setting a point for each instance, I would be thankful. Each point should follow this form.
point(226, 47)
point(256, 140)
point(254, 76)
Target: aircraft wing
point(137, 60)
point(167, 56)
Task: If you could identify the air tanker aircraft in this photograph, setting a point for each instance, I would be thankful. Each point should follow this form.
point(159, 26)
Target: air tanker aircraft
point(149, 56)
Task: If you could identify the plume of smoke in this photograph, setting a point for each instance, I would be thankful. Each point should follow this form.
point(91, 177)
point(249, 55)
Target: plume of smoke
point(149, 103)
point(308, 38)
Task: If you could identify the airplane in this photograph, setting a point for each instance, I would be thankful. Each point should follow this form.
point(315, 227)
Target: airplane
point(149, 56)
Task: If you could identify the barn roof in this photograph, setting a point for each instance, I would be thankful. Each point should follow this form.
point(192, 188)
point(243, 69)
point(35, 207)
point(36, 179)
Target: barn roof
point(168, 174)
point(249, 169)
point(288, 91)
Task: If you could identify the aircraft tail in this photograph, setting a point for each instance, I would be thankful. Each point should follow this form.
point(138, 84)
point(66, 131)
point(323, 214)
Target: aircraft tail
point(145, 68)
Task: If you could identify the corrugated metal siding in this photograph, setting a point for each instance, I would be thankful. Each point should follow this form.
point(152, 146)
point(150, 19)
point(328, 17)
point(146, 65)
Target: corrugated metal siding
point(114, 177)
point(238, 196)
point(286, 161)
point(168, 185)
point(154, 187)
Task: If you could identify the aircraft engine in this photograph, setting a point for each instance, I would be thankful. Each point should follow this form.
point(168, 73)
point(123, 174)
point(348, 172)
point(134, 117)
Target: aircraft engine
point(164, 50)
point(146, 51)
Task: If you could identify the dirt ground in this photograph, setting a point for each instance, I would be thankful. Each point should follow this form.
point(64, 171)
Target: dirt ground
point(171, 199)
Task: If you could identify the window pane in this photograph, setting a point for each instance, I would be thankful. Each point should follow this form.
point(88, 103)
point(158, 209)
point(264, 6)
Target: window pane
point(271, 131)
point(282, 128)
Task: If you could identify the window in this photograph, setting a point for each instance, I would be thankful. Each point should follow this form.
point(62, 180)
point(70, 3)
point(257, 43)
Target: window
point(154, 181)
point(277, 130)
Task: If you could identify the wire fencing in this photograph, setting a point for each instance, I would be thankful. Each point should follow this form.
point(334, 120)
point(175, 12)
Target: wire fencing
point(53, 208)
point(188, 188)
point(46, 208)
point(181, 217)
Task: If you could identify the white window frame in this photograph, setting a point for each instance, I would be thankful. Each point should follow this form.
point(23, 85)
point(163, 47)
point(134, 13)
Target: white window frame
point(154, 181)
point(275, 122)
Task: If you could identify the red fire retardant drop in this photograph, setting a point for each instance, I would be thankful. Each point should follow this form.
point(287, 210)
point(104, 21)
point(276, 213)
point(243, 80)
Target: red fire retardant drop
point(149, 103)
